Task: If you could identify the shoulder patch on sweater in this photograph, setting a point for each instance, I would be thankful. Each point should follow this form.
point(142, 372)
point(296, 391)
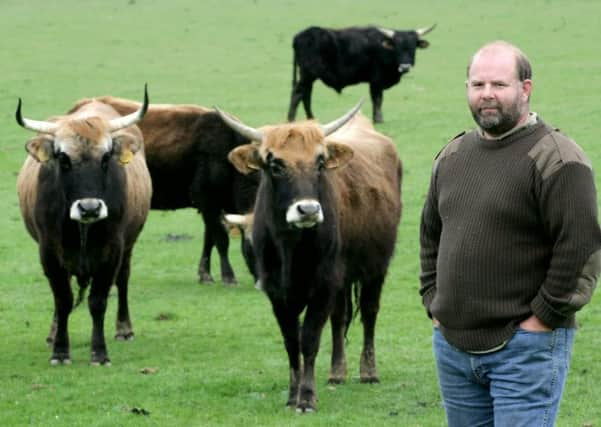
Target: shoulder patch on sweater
point(451, 147)
point(553, 151)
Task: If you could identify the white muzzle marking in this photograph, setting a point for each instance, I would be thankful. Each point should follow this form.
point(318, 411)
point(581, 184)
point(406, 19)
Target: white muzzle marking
point(304, 213)
point(88, 210)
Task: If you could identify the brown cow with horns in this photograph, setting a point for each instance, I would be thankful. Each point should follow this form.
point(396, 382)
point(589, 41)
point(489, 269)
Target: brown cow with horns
point(84, 192)
point(325, 224)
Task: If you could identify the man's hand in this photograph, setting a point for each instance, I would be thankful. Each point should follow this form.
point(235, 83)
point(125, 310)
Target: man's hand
point(435, 322)
point(534, 324)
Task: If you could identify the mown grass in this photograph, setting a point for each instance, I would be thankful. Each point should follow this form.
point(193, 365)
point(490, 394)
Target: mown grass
point(215, 353)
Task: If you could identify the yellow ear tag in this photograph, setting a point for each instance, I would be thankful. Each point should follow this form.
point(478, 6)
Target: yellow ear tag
point(42, 155)
point(126, 157)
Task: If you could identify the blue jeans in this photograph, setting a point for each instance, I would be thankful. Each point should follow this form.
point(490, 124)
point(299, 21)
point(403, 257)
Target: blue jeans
point(517, 386)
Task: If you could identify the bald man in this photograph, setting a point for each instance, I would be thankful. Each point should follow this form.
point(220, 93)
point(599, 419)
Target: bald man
point(510, 251)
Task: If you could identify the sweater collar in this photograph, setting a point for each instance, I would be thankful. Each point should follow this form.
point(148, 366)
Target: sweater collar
point(530, 126)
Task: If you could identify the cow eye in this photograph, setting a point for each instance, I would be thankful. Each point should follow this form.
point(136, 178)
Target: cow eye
point(321, 163)
point(104, 163)
point(276, 168)
point(64, 161)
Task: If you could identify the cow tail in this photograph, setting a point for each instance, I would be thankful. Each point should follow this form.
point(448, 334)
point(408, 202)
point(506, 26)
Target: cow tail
point(294, 70)
point(352, 294)
point(83, 283)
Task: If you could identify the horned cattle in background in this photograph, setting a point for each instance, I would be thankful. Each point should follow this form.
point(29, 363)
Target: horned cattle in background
point(84, 192)
point(325, 226)
point(186, 152)
point(345, 57)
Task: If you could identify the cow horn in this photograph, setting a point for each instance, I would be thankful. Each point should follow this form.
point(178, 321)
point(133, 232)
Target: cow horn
point(388, 33)
point(331, 127)
point(34, 125)
point(250, 133)
point(130, 119)
point(423, 31)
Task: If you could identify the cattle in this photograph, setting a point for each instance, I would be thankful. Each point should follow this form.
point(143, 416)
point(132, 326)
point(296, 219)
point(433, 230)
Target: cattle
point(325, 226)
point(84, 192)
point(186, 152)
point(340, 58)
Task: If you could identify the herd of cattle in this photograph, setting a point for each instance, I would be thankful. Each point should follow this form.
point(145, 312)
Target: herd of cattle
point(320, 204)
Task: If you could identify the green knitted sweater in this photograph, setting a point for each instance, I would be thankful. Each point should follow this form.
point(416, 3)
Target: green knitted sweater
point(509, 228)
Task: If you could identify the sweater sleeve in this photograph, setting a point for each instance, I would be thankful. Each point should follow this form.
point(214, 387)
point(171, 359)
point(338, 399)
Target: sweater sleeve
point(568, 205)
point(430, 229)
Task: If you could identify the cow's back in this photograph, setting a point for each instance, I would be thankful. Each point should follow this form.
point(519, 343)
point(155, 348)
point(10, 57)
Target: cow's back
point(369, 190)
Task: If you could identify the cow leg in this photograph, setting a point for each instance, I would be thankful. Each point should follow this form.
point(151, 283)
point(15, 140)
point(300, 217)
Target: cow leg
point(289, 326)
point(302, 91)
point(63, 304)
point(215, 234)
point(376, 100)
point(123, 327)
point(97, 302)
point(52, 333)
point(369, 303)
point(315, 318)
point(338, 322)
point(295, 99)
point(307, 99)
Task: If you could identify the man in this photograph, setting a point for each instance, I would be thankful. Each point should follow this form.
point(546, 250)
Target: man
point(510, 250)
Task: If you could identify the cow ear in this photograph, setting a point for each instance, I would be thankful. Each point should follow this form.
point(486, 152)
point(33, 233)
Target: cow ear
point(388, 44)
point(338, 155)
point(245, 158)
point(40, 147)
point(125, 146)
point(422, 44)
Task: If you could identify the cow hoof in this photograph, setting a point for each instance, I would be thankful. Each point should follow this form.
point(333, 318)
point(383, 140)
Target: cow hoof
point(230, 281)
point(100, 359)
point(56, 361)
point(369, 380)
point(305, 408)
point(205, 278)
point(124, 336)
point(336, 380)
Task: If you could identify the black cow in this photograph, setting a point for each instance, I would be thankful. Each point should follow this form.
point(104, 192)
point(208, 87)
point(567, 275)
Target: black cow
point(345, 57)
point(325, 227)
point(84, 192)
point(186, 151)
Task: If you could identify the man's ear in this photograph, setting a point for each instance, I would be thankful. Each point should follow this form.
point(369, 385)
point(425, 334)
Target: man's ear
point(40, 147)
point(338, 155)
point(246, 158)
point(125, 146)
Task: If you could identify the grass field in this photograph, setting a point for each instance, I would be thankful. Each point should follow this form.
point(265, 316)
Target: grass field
point(216, 354)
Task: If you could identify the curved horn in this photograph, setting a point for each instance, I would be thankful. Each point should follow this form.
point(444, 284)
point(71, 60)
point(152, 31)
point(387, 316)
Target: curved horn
point(388, 33)
point(423, 31)
point(34, 125)
point(250, 133)
point(130, 119)
point(331, 127)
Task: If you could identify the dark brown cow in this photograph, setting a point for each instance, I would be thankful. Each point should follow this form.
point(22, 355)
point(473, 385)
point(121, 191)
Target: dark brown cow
point(325, 224)
point(186, 151)
point(84, 192)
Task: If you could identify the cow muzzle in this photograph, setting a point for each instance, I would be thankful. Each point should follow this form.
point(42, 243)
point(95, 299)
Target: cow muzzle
point(304, 213)
point(404, 68)
point(88, 210)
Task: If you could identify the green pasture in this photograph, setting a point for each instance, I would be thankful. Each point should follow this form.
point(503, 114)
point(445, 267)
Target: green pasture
point(213, 356)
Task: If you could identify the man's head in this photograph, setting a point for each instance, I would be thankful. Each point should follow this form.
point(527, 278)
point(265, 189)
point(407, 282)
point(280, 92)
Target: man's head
point(498, 87)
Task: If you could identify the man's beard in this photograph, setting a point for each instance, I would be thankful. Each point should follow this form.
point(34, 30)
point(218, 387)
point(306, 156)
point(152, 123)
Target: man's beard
point(497, 123)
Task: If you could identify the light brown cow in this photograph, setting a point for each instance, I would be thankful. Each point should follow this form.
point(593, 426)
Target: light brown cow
point(84, 192)
point(325, 227)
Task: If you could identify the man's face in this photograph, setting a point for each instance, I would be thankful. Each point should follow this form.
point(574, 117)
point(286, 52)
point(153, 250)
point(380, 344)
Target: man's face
point(497, 99)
